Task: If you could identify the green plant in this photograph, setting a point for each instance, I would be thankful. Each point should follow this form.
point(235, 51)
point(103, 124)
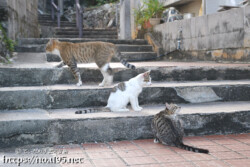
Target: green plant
point(139, 16)
point(149, 9)
point(154, 8)
point(10, 44)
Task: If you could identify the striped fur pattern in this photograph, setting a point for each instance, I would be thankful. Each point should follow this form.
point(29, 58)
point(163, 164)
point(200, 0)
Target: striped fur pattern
point(93, 110)
point(87, 52)
point(168, 130)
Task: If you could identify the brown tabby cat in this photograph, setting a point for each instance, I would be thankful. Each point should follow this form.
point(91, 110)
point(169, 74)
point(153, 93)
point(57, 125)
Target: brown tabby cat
point(168, 130)
point(87, 52)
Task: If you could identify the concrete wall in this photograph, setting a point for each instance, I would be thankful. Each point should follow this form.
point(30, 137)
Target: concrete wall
point(125, 19)
point(22, 19)
point(134, 4)
point(219, 36)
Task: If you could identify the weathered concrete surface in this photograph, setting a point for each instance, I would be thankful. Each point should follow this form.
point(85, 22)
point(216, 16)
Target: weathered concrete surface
point(125, 20)
point(202, 37)
point(160, 71)
point(71, 96)
point(121, 48)
point(129, 56)
point(25, 41)
point(63, 126)
point(22, 19)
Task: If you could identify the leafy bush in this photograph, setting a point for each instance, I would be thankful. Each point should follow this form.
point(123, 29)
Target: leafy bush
point(154, 8)
point(149, 9)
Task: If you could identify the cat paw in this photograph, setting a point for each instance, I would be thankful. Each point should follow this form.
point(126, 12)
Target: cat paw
point(79, 84)
point(101, 85)
point(138, 109)
point(156, 141)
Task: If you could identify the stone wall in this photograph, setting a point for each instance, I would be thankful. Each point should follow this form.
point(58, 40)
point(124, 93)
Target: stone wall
point(3, 14)
point(22, 18)
point(219, 36)
point(101, 17)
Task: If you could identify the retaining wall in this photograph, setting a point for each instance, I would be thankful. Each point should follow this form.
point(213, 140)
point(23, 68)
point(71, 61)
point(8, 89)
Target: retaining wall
point(219, 36)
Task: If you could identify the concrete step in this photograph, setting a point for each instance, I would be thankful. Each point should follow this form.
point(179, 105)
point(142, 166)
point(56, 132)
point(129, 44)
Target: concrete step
point(37, 72)
point(49, 18)
point(62, 22)
point(121, 48)
point(85, 32)
point(38, 126)
point(45, 19)
point(25, 41)
point(85, 29)
point(129, 56)
point(138, 56)
point(54, 24)
point(71, 96)
point(95, 36)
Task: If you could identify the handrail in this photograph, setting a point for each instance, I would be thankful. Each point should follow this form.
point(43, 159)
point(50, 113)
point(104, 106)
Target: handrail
point(53, 7)
point(79, 17)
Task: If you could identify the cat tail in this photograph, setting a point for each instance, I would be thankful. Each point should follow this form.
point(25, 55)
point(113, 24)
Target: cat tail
point(194, 149)
point(93, 110)
point(124, 62)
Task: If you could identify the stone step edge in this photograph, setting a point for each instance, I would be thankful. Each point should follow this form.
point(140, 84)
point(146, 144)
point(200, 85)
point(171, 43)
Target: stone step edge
point(45, 40)
point(68, 96)
point(91, 73)
point(56, 127)
point(165, 84)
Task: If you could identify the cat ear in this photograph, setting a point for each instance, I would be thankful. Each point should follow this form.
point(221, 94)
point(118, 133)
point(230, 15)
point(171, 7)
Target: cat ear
point(146, 73)
point(53, 41)
point(167, 106)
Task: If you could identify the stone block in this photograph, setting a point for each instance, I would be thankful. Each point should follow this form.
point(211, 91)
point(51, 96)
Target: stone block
point(247, 18)
point(27, 127)
point(228, 40)
point(187, 44)
point(192, 27)
point(225, 22)
point(247, 53)
point(173, 29)
point(200, 43)
point(185, 26)
point(247, 39)
point(201, 26)
point(125, 24)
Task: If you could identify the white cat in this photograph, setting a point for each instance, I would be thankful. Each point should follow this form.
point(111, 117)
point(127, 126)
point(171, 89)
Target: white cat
point(124, 93)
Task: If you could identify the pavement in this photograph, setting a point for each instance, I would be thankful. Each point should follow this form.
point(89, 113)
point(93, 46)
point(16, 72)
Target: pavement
point(225, 151)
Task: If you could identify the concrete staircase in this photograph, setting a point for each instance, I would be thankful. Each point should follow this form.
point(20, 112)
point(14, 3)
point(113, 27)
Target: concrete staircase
point(132, 50)
point(69, 29)
point(38, 101)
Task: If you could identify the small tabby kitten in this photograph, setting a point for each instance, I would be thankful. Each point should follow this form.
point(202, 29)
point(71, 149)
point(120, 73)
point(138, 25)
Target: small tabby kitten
point(124, 93)
point(168, 130)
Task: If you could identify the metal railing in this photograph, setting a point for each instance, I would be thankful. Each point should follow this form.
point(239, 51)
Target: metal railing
point(79, 17)
point(53, 8)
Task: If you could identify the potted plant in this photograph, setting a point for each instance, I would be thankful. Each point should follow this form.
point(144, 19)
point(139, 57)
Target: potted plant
point(153, 11)
point(139, 19)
